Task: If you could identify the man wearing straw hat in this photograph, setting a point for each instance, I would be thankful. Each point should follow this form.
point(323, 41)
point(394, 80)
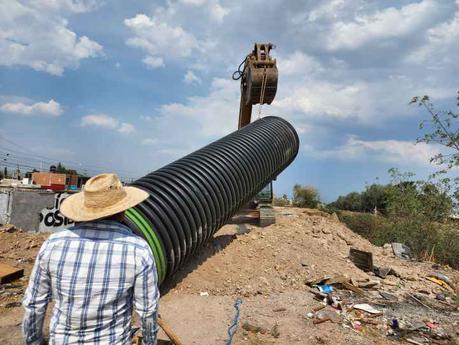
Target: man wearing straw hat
point(95, 272)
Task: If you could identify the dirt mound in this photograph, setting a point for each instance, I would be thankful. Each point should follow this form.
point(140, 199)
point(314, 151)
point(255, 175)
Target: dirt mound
point(302, 246)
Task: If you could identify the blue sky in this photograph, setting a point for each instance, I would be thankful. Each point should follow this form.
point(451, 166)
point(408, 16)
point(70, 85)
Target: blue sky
point(130, 86)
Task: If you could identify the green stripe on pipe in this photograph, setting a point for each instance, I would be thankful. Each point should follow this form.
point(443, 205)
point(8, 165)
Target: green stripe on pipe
point(156, 240)
point(152, 240)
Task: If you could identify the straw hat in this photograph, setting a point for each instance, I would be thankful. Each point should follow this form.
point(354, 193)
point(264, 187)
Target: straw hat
point(103, 195)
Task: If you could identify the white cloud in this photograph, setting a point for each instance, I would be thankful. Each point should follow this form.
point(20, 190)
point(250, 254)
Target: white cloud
point(159, 39)
point(153, 62)
point(191, 78)
point(441, 46)
point(390, 151)
point(385, 24)
point(216, 11)
point(50, 108)
point(149, 141)
point(76, 6)
point(126, 128)
point(108, 122)
point(100, 120)
point(36, 34)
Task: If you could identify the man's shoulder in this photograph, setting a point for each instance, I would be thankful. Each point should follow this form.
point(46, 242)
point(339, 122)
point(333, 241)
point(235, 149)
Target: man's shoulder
point(99, 231)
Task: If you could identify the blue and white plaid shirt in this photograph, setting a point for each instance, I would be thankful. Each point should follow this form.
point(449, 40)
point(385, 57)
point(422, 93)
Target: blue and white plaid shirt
point(95, 273)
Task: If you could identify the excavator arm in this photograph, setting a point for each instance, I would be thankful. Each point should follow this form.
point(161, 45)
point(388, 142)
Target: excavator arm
point(258, 86)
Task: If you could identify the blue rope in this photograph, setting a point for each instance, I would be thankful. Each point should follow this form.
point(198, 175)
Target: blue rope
point(233, 328)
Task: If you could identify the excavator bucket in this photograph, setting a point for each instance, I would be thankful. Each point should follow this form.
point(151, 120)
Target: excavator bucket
point(259, 79)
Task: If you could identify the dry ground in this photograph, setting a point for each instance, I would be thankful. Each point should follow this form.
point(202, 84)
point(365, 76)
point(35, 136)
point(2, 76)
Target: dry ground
point(268, 269)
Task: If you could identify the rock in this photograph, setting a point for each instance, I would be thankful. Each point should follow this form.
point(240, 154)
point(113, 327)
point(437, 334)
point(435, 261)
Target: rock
point(275, 331)
point(13, 305)
point(440, 296)
point(254, 328)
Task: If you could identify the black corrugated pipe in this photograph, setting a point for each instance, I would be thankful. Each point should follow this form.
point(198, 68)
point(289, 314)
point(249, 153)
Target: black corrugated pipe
point(191, 198)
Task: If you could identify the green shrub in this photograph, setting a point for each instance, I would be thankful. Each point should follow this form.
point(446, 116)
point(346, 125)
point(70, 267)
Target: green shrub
point(305, 196)
point(433, 241)
point(284, 201)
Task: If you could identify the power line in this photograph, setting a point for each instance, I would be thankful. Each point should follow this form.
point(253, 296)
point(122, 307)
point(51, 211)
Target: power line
point(26, 160)
point(29, 152)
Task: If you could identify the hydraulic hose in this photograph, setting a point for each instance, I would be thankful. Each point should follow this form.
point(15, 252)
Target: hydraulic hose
point(191, 198)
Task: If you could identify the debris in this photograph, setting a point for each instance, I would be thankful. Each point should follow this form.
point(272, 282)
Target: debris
point(319, 308)
point(388, 296)
point(13, 305)
point(418, 301)
point(275, 330)
point(366, 307)
point(254, 328)
point(415, 340)
point(276, 310)
point(8, 228)
point(169, 331)
point(431, 325)
point(441, 283)
point(318, 321)
point(441, 297)
point(333, 315)
point(362, 259)
point(401, 251)
point(369, 285)
point(344, 282)
point(325, 288)
point(357, 325)
point(9, 273)
point(394, 324)
point(443, 278)
point(202, 294)
point(383, 272)
point(317, 281)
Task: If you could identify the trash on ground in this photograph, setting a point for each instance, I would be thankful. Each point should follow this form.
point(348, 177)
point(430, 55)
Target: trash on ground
point(401, 251)
point(443, 278)
point(362, 259)
point(366, 307)
point(9, 273)
point(325, 288)
point(441, 283)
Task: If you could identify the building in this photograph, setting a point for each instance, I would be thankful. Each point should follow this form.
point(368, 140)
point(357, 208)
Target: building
point(49, 180)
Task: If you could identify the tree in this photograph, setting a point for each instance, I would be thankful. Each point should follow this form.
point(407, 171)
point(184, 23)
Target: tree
point(305, 196)
point(349, 202)
point(442, 128)
point(63, 170)
point(427, 201)
point(283, 201)
point(375, 196)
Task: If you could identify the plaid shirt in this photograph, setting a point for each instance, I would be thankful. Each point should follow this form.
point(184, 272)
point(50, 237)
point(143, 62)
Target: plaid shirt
point(95, 273)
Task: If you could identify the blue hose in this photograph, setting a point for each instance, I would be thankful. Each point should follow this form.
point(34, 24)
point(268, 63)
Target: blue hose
point(233, 328)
